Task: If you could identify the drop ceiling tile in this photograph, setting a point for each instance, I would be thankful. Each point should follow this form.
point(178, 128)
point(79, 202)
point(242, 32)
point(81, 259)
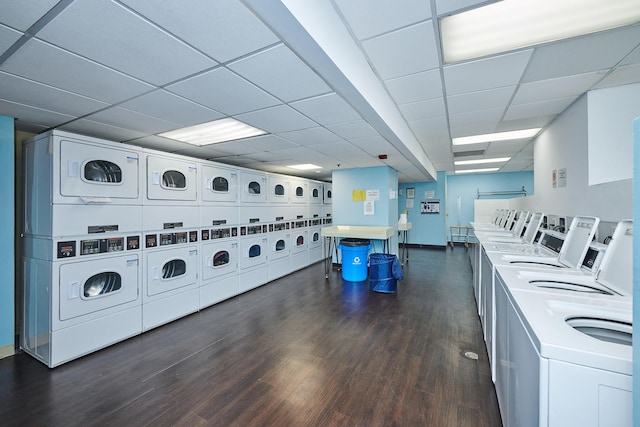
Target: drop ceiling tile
point(267, 143)
point(326, 109)
point(576, 56)
point(265, 156)
point(481, 100)
point(622, 75)
point(281, 118)
point(502, 149)
point(448, 6)
point(231, 30)
point(50, 65)
point(352, 130)
point(403, 52)
point(560, 87)
point(484, 117)
point(472, 129)
point(157, 143)
point(341, 149)
point(100, 130)
point(234, 147)
point(121, 117)
point(367, 21)
point(542, 108)
point(203, 152)
point(27, 113)
point(267, 69)
point(42, 96)
point(416, 87)
point(310, 136)
point(233, 160)
point(297, 155)
point(423, 109)
point(431, 126)
point(487, 73)
point(526, 123)
point(466, 148)
point(225, 92)
point(373, 145)
point(8, 37)
point(22, 15)
point(170, 107)
point(114, 36)
point(517, 167)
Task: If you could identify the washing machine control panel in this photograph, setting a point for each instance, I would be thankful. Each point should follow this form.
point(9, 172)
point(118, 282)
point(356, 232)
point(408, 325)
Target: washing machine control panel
point(299, 224)
point(253, 229)
point(67, 249)
point(166, 239)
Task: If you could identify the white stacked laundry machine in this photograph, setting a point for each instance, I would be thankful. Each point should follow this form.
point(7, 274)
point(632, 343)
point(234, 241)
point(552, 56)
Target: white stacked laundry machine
point(119, 239)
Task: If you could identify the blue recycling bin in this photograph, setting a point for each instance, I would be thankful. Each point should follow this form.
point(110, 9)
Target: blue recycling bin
point(384, 272)
point(354, 259)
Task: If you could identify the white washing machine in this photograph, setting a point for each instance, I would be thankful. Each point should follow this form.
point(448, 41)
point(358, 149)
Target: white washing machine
point(316, 247)
point(327, 190)
point(299, 191)
point(80, 294)
point(254, 249)
point(315, 192)
point(278, 189)
point(170, 287)
point(170, 179)
point(75, 185)
point(279, 249)
point(219, 184)
point(253, 187)
point(299, 244)
point(219, 278)
point(562, 360)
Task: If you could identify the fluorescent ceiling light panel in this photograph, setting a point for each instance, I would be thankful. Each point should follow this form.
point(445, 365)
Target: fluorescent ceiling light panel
point(212, 132)
point(494, 137)
point(512, 24)
point(477, 170)
point(304, 167)
point(481, 161)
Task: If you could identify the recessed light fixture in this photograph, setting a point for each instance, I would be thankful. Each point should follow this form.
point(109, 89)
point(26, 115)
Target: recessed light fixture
point(493, 137)
point(213, 132)
point(304, 167)
point(477, 170)
point(512, 24)
point(481, 161)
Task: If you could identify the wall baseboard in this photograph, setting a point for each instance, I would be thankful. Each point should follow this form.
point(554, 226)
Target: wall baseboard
point(7, 350)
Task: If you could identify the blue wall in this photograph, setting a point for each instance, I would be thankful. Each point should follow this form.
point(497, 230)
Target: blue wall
point(426, 229)
point(7, 221)
point(348, 212)
point(466, 187)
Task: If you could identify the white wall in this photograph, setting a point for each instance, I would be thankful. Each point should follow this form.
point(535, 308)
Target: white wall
point(564, 145)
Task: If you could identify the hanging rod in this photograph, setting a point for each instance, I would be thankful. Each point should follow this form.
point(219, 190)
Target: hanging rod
point(522, 192)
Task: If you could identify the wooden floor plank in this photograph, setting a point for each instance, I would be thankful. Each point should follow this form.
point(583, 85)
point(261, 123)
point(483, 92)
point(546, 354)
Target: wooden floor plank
point(299, 351)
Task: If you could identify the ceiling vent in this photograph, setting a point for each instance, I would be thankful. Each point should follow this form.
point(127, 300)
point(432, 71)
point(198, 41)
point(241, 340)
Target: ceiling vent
point(468, 153)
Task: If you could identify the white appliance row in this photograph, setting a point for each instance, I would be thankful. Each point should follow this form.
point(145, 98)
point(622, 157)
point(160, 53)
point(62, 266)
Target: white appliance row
point(557, 322)
point(119, 240)
point(78, 185)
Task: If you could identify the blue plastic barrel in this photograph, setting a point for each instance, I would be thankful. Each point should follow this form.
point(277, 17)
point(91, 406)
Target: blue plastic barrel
point(354, 259)
point(384, 273)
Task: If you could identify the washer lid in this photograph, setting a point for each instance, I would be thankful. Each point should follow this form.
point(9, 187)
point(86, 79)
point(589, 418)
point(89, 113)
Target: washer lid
point(616, 269)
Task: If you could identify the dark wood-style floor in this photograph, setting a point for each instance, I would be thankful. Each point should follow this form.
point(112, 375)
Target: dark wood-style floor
point(300, 351)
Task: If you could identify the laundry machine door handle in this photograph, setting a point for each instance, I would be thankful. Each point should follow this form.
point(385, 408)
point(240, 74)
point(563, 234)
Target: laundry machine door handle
point(156, 273)
point(73, 291)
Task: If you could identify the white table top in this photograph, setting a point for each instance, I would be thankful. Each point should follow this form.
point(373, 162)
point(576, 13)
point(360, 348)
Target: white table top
point(358, 231)
point(404, 227)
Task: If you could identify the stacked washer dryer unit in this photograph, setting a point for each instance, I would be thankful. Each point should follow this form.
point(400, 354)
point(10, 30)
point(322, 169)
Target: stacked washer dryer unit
point(218, 233)
point(170, 225)
point(299, 223)
point(277, 214)
point(82, 245)
point(316, 209)
point(253, 240)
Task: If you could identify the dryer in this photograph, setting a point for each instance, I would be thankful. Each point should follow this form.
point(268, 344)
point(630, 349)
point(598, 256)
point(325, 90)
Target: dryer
point(170, 179)
point(170, 286)
point(315, 192)
point(299, 191)
point(253, 245)
point(80, 294)
point(253, 187)
point(219, 184)
point(327, 190)
point(299, 244)
point(279, 249)
point(219, 277)
point(74, 184)
point(316, 247)
point(278, 189)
